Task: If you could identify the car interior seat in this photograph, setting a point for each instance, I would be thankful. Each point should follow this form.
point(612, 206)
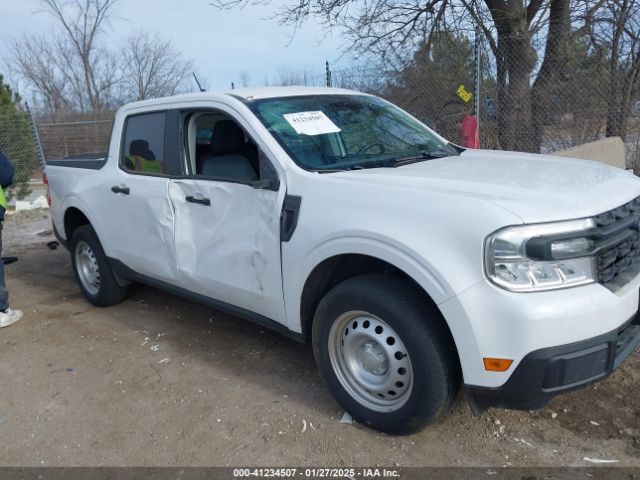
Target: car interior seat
point(228, 154)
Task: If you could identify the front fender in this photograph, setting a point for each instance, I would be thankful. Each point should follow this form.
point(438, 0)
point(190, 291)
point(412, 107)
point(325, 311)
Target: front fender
point(296, 272)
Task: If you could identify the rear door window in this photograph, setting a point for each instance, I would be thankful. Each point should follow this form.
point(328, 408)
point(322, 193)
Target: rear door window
point(143, 149)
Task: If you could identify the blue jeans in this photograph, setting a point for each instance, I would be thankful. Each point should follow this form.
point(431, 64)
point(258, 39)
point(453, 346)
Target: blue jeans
point(4, 293)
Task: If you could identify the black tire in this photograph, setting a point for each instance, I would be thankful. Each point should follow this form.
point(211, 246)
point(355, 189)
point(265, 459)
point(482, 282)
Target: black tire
point(108, 291)
point(421, 330)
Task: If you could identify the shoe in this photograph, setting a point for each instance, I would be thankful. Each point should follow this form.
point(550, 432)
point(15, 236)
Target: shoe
point(9, 317)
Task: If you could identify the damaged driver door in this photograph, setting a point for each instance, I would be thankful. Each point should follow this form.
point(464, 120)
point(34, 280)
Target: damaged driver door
point(228, 243)
point(227, 221)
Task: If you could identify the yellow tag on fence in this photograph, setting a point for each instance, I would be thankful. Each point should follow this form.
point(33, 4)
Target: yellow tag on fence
point(463, 94)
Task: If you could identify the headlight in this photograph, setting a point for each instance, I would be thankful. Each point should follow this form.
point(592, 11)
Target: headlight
point(528, 258)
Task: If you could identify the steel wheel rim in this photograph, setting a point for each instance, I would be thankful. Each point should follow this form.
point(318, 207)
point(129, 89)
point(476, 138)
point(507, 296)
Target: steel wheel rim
point(370, 361)
point(87, 267)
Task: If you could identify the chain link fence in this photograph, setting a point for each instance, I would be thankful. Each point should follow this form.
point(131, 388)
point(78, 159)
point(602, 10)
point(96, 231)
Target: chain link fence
point(569, 102)
point(571, 111)
point(572, 105)
point(536, 106)
point(74, 134)
point(439, 87)
point(18, 141)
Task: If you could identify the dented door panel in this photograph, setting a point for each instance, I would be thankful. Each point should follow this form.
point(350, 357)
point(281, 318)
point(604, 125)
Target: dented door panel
point(140, 226)
point(229, 250)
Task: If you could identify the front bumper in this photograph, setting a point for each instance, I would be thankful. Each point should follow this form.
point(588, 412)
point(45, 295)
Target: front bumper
point(545, 373)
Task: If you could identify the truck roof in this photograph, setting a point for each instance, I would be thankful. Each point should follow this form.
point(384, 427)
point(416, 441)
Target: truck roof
point(247, 94)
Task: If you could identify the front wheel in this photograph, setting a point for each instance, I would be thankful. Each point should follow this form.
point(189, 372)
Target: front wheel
point(385, 353)
point(92, 270)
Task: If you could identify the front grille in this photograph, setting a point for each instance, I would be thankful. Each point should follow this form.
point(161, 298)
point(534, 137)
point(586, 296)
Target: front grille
point(617, 242)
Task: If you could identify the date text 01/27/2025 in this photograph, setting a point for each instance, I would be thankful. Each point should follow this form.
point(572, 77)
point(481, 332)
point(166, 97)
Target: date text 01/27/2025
point(346, 473)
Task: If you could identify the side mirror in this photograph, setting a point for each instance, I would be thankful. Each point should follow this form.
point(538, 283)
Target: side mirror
point(268, 176)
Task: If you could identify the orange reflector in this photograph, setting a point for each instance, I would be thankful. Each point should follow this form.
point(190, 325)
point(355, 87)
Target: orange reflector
point(496, 364)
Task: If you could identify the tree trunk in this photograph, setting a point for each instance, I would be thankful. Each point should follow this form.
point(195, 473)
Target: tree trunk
point(517, 58)
point(615, 107)
point(552, 67)
point(520, 68)
point(613, 103)
point(502, 108)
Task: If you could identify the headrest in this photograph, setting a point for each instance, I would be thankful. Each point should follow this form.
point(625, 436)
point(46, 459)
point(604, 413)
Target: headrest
point(141, 149)
point(227, 137)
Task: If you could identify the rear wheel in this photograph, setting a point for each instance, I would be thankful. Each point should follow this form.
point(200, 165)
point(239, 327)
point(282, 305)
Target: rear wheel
point(92, 270)
point(385, 353)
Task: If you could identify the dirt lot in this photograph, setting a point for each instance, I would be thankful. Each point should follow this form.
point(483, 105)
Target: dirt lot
point(158, 380)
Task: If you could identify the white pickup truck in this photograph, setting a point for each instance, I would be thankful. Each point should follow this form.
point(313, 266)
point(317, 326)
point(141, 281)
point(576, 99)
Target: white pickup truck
point(412, 265)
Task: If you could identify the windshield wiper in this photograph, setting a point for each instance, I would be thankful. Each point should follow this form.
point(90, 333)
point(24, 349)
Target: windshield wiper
point(386, 163)
point(377, 163)
point(389, 162)
point(421, 157)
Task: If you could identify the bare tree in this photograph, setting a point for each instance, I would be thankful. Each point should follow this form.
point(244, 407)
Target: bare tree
point(82, 22)
point(394, 30)
point(153, 67)
point(69, 69)
point(76, 69)
point(34, 58)
point(287, 77)
point(615, 32)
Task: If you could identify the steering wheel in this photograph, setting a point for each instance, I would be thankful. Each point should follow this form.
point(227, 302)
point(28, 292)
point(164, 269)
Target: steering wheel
point(363, 149)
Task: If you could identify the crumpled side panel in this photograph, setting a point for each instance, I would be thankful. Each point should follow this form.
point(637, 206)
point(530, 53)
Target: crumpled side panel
point(230, 250)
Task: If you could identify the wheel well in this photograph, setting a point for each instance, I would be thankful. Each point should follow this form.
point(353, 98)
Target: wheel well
point(73, 218)
point(335, 270)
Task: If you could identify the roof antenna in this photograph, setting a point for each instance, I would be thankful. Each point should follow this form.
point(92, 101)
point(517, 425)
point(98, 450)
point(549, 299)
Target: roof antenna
point(199, 86)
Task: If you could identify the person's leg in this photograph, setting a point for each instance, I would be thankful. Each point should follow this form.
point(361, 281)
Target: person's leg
point(4, 293)
point(7, 316)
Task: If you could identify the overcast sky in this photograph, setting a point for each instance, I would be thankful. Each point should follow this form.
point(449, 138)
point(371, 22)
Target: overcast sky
point(221, 43)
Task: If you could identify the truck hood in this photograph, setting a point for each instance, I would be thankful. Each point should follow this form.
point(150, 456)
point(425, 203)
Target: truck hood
point(536, 188)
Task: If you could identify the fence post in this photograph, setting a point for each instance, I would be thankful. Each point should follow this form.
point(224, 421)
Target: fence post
point(477, 72)
point(328, 74)
point(36, 136)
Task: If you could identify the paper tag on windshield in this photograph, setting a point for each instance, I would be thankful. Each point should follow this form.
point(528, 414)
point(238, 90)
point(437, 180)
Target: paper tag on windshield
point(311, 123)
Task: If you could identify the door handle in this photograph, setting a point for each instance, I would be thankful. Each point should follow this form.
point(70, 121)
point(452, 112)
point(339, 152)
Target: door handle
point(201, 201)
point(117, 189)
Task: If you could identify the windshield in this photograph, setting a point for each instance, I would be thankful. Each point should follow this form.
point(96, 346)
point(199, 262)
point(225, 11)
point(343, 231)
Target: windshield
point(341, 132)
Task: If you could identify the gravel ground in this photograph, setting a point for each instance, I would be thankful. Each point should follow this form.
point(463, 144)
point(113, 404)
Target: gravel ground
point(158, 380)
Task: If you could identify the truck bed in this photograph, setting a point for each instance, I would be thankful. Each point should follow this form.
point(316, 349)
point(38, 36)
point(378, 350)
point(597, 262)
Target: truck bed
point(93, 161)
